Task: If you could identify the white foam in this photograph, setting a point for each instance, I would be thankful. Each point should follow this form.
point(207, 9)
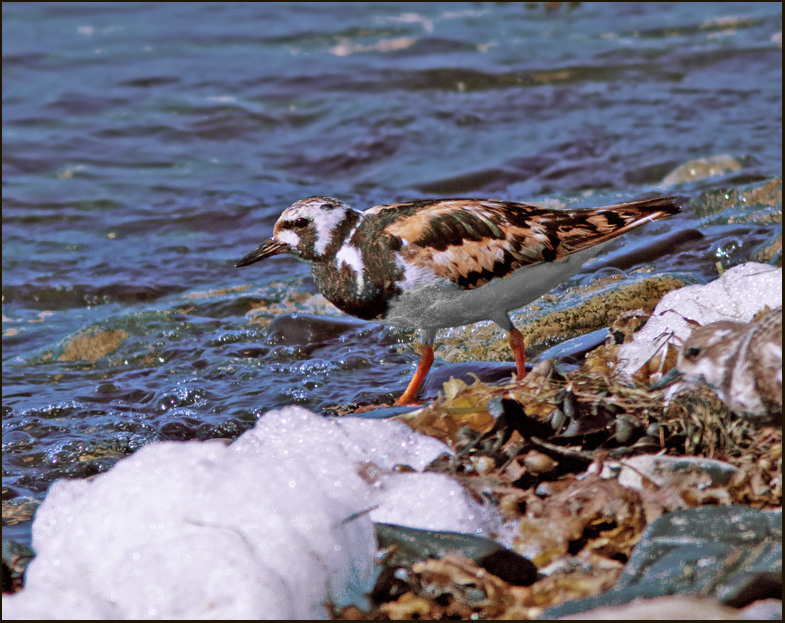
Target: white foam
point(271, 526)
point(429, 501)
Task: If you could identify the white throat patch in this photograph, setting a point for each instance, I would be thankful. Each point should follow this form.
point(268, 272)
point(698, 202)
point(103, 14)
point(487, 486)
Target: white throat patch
point(350, 255)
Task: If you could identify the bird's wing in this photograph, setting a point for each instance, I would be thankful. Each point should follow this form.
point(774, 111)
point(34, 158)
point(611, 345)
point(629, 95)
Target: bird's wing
point(471, 241)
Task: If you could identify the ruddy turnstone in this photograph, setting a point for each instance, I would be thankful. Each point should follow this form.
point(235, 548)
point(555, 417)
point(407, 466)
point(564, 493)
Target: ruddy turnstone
point(741, 362)
point(438, 263)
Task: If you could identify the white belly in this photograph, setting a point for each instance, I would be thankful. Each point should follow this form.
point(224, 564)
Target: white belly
point(441, 305)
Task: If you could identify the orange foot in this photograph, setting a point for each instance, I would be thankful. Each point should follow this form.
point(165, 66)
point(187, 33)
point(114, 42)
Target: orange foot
point(409, 397)
point(517, 346)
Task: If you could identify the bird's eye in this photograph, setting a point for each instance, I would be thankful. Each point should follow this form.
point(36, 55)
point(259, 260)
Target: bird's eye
point(299, 223)
point(692, 352)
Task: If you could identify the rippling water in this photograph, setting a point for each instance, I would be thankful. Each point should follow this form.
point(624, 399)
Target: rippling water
point(147, 146)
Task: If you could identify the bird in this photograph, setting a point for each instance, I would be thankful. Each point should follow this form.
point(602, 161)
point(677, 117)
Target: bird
point(741, 362)
point(432, 264)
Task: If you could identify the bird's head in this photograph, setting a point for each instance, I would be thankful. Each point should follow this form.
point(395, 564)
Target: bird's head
point(309, 229)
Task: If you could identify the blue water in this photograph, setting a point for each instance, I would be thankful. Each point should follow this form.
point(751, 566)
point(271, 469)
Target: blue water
point(148, 146)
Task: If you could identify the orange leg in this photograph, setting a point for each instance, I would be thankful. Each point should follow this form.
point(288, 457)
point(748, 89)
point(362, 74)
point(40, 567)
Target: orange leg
point(409, 396)
point(517, 346)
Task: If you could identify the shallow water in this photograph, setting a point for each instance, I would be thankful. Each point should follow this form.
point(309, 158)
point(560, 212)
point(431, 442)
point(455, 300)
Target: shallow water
point(148, 146)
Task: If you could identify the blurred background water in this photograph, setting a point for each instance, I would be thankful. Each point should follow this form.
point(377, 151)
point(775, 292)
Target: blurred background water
point(148, 146)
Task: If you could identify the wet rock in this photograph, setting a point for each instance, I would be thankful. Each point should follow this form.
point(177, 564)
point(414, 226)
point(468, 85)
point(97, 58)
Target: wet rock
point(92, 344)
point(770, 252)
point(702, 168)
point(410, 545)
point(373, 412)
point(106, 338)
point(676, 608)
point(223, 302)
point(16, 557)
point(732, 554)
point(310, 329)
point(760, 202)
point(601, 302)
point(575, 348)
point(659, 468)
point(286, 297)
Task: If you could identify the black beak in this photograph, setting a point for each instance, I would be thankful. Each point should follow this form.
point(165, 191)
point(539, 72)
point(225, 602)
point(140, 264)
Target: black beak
point(263, 251)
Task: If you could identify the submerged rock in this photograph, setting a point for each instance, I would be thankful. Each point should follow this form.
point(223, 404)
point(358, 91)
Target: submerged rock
point(760, 202)
point(702, 168)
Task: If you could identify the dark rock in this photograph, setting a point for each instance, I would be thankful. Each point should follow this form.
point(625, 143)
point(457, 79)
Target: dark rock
point(16, 557)
point(412, 545)
point(730, 553)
